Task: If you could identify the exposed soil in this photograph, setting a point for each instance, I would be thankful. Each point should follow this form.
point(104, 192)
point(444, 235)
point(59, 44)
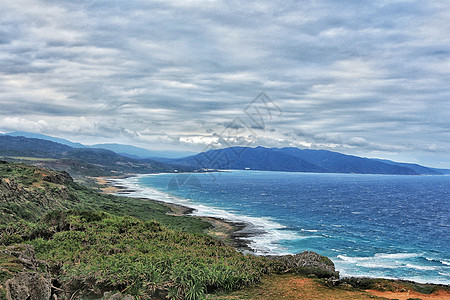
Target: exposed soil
point(295, 287)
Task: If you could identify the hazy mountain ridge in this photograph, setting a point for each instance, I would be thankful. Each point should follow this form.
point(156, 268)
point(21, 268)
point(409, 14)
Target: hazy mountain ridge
point(99, 162)
point(140, 153)
point(122, 149)
point(298, 160)
point(46, 137)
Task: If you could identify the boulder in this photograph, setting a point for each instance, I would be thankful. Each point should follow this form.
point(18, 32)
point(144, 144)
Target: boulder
point(33, 282)
point(307, 263)
point(29, 285)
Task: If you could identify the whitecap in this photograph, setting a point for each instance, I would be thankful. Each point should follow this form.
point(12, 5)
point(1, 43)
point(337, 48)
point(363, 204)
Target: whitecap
point(445, 262)
point(397, 255)
point(422, 268)
point(310, 230)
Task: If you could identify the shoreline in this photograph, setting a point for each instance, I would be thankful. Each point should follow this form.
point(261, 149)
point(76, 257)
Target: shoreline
point(237, 234)
point(234, 234)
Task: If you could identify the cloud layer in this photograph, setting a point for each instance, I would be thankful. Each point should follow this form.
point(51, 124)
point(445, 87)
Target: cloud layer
point(367, 78)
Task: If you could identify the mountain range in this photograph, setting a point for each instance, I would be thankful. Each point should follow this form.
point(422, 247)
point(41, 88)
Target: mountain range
point(110, 159)
point(125, 150)
point(79, 162)
point(298, 160)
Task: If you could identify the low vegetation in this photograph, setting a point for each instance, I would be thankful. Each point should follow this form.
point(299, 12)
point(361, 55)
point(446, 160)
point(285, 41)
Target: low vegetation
point(94, 243)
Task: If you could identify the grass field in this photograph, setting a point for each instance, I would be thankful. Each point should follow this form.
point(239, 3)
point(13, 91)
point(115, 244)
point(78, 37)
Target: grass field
point(27, 158)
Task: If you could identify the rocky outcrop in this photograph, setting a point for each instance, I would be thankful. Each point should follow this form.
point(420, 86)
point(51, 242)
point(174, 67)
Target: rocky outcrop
point(28, 285)
point(10, 191)
point(33, 282)
point(306, 263)
point(58, 178)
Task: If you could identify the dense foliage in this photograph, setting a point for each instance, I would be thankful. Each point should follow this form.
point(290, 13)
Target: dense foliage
point(100, 251)
point(94, 242)
point(27, 193)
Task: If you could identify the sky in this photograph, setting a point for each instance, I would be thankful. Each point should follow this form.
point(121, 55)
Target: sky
point(368, 78)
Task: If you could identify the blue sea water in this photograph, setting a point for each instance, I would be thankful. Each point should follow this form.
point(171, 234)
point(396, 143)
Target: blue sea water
point(369, 225)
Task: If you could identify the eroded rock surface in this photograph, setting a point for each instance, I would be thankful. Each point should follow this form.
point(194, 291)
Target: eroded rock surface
point(307, 263)
point(33, 282)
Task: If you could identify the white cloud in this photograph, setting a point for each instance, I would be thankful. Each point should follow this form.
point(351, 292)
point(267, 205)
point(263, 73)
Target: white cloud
point(360, 78)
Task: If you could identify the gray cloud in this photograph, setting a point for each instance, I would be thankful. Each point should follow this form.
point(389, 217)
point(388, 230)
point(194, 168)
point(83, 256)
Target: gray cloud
point(367, 78)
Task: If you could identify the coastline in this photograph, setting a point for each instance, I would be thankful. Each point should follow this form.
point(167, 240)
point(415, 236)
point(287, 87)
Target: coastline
point(232, 233)
point(238, 235)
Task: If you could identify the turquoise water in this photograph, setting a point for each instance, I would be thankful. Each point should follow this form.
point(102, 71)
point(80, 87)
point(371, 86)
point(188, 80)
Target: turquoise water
point(369, 225)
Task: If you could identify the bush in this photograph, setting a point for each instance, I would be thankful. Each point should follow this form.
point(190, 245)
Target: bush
point(140, 257)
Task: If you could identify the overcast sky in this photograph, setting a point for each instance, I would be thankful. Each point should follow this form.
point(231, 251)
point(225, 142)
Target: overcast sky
point(370, 78)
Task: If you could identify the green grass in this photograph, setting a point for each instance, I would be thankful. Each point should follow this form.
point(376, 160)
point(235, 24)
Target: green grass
point(29, 158)
point(106, 252)
point(36, 195)
point(95, 242)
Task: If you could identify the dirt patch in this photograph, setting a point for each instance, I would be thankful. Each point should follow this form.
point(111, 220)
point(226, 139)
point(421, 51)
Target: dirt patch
point(295, 287)
point(438, 295)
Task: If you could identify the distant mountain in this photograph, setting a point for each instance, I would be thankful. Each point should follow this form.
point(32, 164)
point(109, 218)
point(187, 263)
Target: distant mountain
point(336, 162)
point(97, 161)
point(442, 171)
point(259, 158)
point(125, 150)
point(46, 137)
point(136, 152)
point(31, 147)
point(89, 159)
point(297, 160)
point(418, 168)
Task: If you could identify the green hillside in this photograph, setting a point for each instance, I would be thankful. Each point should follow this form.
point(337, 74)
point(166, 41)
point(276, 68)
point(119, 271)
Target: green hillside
point(92, 243)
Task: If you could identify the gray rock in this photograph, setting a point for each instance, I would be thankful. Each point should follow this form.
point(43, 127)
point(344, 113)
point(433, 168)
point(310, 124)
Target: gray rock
point(307, 263)
point(28, 285)
point(33, 282)
point(25, 255)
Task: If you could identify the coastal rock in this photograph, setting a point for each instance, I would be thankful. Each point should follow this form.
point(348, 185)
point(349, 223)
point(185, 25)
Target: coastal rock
point(28, 285)
point(25, 255)
point(33, 281)
point(307, 263)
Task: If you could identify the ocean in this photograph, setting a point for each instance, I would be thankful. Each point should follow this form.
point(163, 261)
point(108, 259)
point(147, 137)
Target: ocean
point(370, 225)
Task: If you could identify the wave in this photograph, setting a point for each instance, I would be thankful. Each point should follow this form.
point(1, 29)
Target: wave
point(397, 255)
point(264, 234)
point(386, 261)
point(379, 257)
point(422, 268)
point(443, 262)
point(310, 230)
